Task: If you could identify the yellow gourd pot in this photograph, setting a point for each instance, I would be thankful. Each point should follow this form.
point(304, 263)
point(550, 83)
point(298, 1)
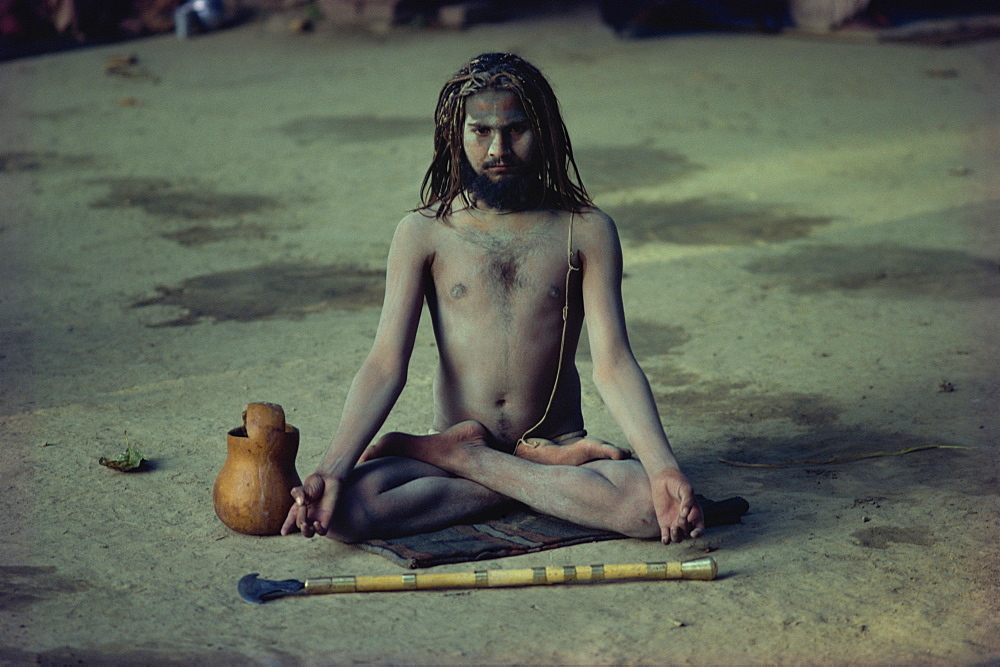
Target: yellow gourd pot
point(252, 494)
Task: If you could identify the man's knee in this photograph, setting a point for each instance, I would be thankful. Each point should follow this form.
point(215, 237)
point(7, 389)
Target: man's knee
point(637, 518)
point(361, 509)
point(633, 514)
point(353, 520)
point(354, 515)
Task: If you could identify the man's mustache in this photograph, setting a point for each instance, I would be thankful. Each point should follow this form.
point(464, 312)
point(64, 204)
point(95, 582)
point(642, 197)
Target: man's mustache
point(510, 163)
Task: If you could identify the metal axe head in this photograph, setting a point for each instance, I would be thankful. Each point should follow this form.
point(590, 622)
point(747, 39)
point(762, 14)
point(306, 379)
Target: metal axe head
point(259, 591)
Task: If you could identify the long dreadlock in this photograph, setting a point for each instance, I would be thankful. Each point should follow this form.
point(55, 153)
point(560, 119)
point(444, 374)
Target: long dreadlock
point(561, 186)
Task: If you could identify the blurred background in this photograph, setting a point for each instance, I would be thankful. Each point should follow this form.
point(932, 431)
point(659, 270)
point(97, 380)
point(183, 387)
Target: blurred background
point(30, 27)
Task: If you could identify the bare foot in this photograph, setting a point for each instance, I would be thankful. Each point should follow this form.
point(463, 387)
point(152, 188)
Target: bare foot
point(439, 449)
point(539, 450)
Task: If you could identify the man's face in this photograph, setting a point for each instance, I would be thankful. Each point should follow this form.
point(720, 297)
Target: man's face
point(500, 147)
point(498, 138)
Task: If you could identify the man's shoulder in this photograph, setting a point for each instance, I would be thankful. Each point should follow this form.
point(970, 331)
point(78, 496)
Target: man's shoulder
point(414, 235)
point(593, 216)
point(418, 217)
point(594, 224)
point(417, 222)
point(582, 217)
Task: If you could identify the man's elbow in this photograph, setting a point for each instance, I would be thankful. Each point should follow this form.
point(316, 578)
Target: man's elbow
point(608, 373)
point(386, 370)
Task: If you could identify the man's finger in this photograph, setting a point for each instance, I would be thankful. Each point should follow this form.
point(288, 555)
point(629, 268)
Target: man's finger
point(683, 497)
point(324, 513)
point(303, 522)
point(291, 520)
point(686, 502)
point(697, 521)
point(298, 493)
point(666, 533)
point(663, 519)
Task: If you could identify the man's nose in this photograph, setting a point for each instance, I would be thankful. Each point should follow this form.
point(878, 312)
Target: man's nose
point(500, 145)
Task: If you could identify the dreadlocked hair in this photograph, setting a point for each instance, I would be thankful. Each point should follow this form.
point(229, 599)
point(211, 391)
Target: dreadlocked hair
point(561, 185)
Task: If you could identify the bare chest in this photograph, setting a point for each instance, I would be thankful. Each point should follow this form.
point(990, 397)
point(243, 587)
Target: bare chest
point(504, 269)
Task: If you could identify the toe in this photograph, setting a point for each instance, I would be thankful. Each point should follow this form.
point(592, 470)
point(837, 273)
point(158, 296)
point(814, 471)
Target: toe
point(598, 449)
point(617, 453)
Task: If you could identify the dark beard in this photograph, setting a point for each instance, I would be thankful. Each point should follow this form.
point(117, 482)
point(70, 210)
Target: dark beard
point(511, 193)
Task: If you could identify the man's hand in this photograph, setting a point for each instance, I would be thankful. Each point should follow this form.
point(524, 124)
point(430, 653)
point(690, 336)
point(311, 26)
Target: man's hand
point(313, 507)
point(677, 511)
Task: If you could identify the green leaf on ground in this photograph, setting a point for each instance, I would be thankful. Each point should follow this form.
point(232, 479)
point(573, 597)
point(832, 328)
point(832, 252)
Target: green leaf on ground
point(129, 460)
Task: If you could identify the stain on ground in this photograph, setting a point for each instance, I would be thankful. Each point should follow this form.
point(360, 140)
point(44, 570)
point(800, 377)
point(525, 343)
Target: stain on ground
point(663, 374)
point(609, 168)
point(353, 129)
point(884, 269)
point(651, 338)
point(58, 115)
point(719, 222)
point(23, 585)
point(273, 291)
point(29, 161)
point(879, 537)
point(648, 339)
point(187, 200)
point(735, 402)
point(199, 235)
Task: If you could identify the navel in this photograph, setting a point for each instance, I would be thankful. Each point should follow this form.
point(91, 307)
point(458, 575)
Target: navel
point(458, 291)
point(555, 292)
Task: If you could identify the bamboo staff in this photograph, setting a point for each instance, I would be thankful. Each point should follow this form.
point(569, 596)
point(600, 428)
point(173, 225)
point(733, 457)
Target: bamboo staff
point(257, 591)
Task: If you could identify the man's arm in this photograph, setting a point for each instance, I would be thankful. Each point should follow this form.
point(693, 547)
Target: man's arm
point(377, 384)
point(624, 386)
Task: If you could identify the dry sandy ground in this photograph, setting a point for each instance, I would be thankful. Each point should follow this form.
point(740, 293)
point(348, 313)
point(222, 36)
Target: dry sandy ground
point(812, 273)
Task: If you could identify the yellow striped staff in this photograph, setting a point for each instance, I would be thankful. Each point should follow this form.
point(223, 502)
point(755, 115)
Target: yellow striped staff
point(257, 591)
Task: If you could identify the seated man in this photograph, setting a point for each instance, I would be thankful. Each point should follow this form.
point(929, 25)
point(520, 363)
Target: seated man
point(509, 253)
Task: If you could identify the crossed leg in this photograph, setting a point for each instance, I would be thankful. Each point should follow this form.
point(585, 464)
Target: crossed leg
point(408, 484)
point(394, 496)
